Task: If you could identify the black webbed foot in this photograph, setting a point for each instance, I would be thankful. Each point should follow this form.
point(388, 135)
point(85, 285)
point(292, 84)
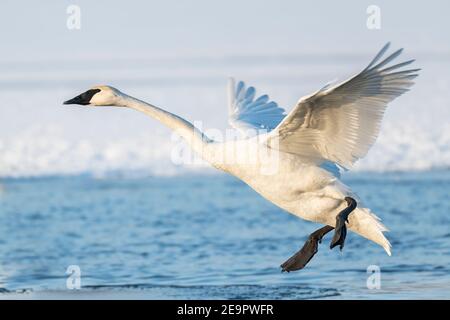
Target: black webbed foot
point(304, 255)
point(341, 230)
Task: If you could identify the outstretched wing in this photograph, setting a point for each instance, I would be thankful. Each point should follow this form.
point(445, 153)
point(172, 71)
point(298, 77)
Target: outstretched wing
point(340, 123)
point(249, 114)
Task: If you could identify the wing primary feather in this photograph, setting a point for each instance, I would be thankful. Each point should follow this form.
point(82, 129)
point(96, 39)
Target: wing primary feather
point(399, 65)
point(388, 59)
point(231, 94)
point(378, 56)
point(246, 112)
point(340, 124)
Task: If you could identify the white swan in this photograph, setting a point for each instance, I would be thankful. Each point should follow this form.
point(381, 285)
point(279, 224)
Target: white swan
point(303, 151)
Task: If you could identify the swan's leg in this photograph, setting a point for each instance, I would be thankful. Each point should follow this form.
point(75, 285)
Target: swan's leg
point(304, 255)
point(341, 230)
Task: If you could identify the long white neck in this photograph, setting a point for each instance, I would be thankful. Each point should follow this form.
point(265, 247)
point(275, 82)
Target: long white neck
point(194, 137)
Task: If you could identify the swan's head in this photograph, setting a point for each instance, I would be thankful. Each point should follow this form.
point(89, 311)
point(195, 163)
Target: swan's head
point(97, 96)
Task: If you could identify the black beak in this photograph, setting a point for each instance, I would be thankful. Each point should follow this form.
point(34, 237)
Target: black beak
point(84, 98)
point(76, 100)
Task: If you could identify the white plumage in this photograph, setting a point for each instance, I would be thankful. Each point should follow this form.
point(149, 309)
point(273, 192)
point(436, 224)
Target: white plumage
point(337, 123)
point(296, 163)
point(248, 114)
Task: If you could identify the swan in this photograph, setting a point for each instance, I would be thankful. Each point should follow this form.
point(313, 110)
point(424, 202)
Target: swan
point(294, 160)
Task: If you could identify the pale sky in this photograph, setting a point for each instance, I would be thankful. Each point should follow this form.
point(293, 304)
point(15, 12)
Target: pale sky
point(32, 29)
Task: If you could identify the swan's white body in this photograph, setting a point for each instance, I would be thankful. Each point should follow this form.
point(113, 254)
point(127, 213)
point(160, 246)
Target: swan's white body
point(303, 150)
point(297, 186)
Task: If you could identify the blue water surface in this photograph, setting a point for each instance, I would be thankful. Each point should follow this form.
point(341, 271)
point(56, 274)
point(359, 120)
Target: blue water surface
point(211, 237)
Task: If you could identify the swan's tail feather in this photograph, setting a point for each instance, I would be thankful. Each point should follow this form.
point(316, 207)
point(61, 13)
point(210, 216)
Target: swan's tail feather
point(368, 225)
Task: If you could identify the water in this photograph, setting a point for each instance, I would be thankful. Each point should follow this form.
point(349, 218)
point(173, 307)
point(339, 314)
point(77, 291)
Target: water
point(208, 236)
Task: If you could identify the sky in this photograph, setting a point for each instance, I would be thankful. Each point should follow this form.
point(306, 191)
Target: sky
point(33, 29)
point(179, 54)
